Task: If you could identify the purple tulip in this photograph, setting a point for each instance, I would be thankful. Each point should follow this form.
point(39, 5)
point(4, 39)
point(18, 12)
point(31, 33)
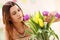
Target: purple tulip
point(26, 17)
point(57, 15)
point(45, 13)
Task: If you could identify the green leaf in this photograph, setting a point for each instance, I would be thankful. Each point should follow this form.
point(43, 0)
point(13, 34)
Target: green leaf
point(52, 20)
point(41, 16)
point(33, 25)
point(56, 36)
point(36, 25)
point(39, 36)
point(32, 28)
point(53, 33)
point(29, 32)
point(32, 37)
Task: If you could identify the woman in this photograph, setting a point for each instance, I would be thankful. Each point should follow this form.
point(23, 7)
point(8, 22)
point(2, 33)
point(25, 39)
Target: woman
point(13, 20)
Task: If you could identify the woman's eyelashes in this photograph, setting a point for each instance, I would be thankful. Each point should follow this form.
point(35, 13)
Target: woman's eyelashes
point(18, 10)
point(14, 13)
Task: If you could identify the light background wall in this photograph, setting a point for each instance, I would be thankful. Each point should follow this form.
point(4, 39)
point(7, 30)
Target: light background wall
point(31, 6)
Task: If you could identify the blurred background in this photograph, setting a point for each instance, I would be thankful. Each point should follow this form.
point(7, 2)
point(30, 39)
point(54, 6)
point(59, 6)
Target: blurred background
point(31, 6)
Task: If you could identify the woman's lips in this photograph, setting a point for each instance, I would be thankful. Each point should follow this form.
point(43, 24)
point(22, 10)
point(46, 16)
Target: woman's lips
point(20, 18)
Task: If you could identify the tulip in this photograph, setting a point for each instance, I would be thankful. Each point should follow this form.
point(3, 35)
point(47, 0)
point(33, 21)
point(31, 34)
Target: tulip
point(41, 23)
point(26, 17)
point(36, 17)
point(45, 13)
point(57, 15)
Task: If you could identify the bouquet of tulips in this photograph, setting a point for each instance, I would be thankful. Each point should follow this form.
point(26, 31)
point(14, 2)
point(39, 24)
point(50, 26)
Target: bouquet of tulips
point(40, 26)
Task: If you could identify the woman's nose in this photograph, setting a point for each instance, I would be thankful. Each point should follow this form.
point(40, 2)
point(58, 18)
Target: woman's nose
point(18, 14)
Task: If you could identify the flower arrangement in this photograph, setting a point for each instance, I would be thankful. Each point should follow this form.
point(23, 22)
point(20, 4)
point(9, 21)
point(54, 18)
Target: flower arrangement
point(40, 26)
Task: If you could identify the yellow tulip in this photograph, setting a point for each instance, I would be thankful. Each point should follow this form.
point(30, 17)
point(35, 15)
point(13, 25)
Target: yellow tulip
point(41, 23)
point(38, 20)
point(36, 17)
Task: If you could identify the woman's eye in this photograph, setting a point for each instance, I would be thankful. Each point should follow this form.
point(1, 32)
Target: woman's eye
point(18, 9)
point(14, 13)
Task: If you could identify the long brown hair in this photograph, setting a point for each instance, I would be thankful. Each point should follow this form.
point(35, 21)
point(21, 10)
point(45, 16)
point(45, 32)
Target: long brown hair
point(6, 18)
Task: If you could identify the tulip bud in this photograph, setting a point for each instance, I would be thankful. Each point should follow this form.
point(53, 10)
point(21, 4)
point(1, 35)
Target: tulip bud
point(45, 13)
point(41, 23)
point(57, 15)
point(26, 17)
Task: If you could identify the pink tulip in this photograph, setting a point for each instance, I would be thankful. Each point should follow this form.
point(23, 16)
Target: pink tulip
point(45, 13)
point(26, 17)
point(57, 15)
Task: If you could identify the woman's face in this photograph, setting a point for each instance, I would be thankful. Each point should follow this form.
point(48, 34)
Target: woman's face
point(16, 14)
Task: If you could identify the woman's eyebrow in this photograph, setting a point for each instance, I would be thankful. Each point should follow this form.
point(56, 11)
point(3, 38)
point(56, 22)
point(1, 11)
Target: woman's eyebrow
point(19, 8)
point(13, 12)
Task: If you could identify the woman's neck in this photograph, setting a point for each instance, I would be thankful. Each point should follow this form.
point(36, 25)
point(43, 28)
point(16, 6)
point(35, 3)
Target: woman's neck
point(18, 24)
point(19, 27)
